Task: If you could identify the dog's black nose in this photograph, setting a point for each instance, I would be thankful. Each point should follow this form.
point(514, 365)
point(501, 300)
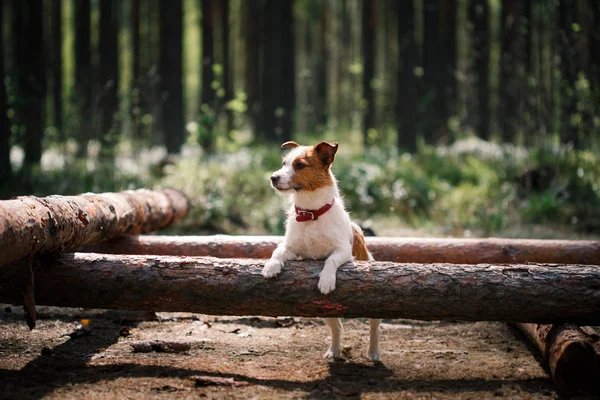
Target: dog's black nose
point(274, 179)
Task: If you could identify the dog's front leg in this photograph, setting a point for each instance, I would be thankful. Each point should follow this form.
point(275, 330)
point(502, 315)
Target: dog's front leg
point(335, 348)
point(333, 262)
point(280, 255)
point(373, 353)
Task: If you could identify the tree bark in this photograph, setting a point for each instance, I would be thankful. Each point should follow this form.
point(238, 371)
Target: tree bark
point(571, 352)
point(525, 293)
point(416, 250)
point(368, 43)
point(171, 73)
point(108, 79)
point(407, 96)
point(31, 82)
point(32, 225)
point(57, 59)
point(207, 96)
point(5, 133)
point(479, 16)
point(136, 89)
point(278, 71)
point(510, 82)
point(83, 73)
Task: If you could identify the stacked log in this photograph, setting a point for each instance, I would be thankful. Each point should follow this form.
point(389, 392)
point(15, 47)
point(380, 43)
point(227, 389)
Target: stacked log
point(399, 250)
point(32, 225)
point(527, 292)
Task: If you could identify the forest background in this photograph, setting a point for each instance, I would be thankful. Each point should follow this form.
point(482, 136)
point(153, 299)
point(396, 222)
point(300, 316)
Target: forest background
point(454, 117)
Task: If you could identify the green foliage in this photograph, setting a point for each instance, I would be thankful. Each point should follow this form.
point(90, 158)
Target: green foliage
point(467, 188)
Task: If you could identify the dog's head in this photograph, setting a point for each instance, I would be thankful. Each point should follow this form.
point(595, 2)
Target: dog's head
point(305, 168)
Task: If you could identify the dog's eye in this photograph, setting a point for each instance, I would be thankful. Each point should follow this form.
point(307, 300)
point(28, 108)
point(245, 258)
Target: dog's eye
point(299, 165)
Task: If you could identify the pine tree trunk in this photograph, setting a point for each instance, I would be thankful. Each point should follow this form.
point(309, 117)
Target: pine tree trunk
point(278, 71)
point(32, 85)
point(407, 95)
point(108, 82)
point(57, 59)
point(5, 133)
point(227, 66)
point(32, 225)
point(368, 43)
point(571, 352)
point(206, 285)
point(415, 250)
point(510, 94)
point(83, 74)
point(136, 95)
point(171, 73)
point(207, 96)
point(479, 16)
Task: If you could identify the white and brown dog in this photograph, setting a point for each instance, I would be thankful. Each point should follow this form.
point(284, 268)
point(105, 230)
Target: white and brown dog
point(318, 227)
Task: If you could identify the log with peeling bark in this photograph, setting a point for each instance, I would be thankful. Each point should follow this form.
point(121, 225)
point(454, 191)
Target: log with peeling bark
point(37, 225)
point(527, 293)
point(571, 352)
point(419, 250)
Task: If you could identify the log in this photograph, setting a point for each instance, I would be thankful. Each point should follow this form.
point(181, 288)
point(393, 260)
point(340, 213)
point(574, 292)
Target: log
point(38, 225)
point(416, 250)
point(527, 293)
point(572, 354)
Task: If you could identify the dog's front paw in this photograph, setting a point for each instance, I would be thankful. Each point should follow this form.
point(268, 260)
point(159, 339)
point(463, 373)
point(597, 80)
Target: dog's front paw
point(374, 356)
point(272, 268)
point(326, 282)
point(333, 353)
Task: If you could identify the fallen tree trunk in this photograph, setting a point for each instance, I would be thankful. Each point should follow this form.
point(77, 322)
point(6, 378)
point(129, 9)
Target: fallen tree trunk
point(571, 352)
point(36, 225)
point(419, 250)
point(526, 293)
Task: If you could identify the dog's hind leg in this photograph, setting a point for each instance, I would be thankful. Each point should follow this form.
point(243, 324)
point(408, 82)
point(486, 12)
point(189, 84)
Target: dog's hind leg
point(373, 353)
point(335, 349)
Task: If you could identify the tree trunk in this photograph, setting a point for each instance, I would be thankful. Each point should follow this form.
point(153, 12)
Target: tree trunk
point(368, 43)
point(31, 85)
point(321, 101)
point(568, 67)
point(30, 225)
point(57, 59)
point(416, 250)
point(510, 64)
point(83, 74)
point(407, 99)
point(206, 285)
point(171, 74)
point(479, 16)
point(571, 352)
point(278, 71)
point(207, 96)
point(252, 46)
point(227, 67)
point(108, 82)
point(5, 133)
point(136, 87)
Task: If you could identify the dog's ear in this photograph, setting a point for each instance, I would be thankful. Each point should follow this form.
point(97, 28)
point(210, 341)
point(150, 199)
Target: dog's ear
point(326, 151)
point(289, 144)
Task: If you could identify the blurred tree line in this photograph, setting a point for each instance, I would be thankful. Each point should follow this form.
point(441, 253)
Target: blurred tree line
point(170, 71)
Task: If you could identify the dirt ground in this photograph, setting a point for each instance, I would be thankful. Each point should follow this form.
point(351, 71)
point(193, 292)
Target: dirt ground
point(263, 358)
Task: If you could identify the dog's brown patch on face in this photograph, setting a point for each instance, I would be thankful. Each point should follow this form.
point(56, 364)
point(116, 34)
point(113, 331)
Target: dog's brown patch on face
point(310, 173)
point(359, 247)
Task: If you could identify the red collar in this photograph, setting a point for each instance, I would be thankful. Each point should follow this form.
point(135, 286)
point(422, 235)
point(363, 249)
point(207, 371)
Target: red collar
point(312, 215)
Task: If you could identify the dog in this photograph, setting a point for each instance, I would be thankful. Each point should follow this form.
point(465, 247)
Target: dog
point(318, 227)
